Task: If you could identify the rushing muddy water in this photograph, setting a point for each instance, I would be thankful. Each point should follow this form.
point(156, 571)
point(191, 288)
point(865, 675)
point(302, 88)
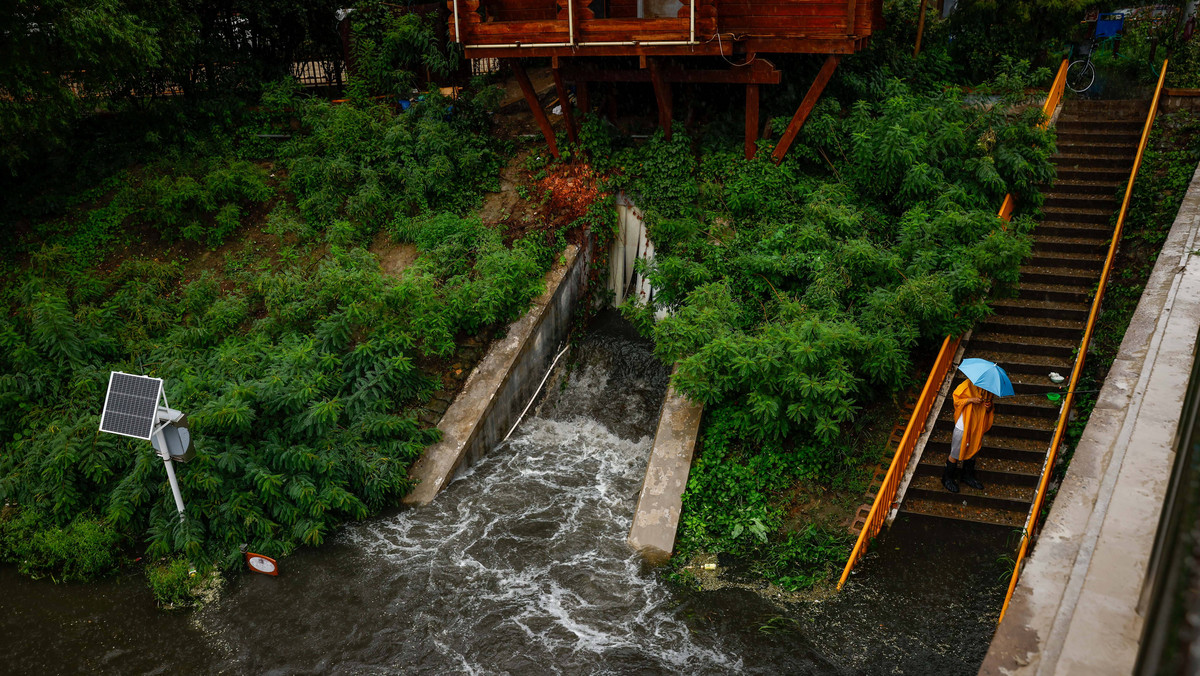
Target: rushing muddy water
point(521, 567)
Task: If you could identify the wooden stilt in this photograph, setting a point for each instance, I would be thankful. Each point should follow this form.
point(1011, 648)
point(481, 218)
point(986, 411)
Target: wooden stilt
point(662, 93)
point(920, 28)
point(535, 106)
point(751, 120)
point(610, 102)
point(806, 107)
point(581, 97)
point(564, 100)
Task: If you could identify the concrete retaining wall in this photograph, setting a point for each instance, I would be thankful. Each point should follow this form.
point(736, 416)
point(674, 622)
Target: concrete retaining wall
point(501, 385)
point(657, 515)
point(1078, 606)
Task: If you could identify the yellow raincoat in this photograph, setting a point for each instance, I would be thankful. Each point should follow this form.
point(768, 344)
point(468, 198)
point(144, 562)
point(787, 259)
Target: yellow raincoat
point(977, 418)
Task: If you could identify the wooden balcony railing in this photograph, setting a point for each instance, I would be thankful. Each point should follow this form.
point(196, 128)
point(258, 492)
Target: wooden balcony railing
point(575, 25)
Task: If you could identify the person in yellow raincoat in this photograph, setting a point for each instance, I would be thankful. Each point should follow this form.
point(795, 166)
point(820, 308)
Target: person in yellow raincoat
point(972, 418)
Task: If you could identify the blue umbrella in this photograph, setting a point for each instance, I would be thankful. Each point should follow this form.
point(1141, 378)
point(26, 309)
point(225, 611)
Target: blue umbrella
point(987, 375)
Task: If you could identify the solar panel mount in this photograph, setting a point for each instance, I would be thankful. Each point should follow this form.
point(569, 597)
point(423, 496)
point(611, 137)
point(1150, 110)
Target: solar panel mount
point(131, 405)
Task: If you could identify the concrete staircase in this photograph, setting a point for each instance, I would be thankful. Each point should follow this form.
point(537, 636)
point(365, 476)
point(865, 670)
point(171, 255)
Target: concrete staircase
point(1038, 331)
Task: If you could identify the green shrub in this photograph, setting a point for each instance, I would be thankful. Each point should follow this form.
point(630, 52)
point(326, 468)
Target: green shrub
point(178, 585)
point(798, 294)
point(368, 165)
point(301, 389)
point(204, 208)
point(86, 548)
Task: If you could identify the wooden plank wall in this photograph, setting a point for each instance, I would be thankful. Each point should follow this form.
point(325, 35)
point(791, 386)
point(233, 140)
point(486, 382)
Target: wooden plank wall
point(518, 10)
point(775, 21)
point(794, 18)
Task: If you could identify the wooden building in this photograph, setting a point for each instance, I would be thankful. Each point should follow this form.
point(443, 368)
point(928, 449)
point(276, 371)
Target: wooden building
point(662, 33)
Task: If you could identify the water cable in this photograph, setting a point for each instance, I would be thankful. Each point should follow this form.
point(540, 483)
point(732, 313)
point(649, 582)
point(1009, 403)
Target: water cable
point(536, 392)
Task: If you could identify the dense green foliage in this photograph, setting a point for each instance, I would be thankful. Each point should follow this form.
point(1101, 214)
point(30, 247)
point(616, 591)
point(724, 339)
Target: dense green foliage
point(391, 49)
point(800, 293)
point(84, 549)
point(97, 41)
point(63, 59)
point(981, 32)
point(369, 165)
point(733, 501)
point(1129, 67)
point(299, 371)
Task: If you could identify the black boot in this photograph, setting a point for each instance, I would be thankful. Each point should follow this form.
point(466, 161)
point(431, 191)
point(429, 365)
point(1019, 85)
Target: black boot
point(968, 475)
point(949, 475)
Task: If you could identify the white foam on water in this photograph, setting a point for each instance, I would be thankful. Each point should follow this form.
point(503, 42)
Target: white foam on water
point(530, 545)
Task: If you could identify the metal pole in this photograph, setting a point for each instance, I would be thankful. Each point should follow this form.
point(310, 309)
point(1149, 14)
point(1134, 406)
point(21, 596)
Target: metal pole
point(692, 36)
point(166, 457)
point(456, 37)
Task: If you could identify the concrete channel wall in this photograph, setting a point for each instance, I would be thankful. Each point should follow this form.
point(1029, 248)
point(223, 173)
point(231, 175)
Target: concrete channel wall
point(503, 382)
point(661, 499)
point(1079, 605)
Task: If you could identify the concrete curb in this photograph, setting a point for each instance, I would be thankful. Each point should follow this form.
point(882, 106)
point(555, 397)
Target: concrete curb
point(1076, 608)
point(502, 383)
point(657, 517)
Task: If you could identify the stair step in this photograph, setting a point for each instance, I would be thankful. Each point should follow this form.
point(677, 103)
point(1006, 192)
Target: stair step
point(1082, 245)
point(1017, 362)
point(995, 341)
point(1003, 448)
point(999, 518)
point(1078, 187)
point(1060, 274)
point(1035, 308)
point(1073, 124)
point(1063, 293)
point(1067, 259)
point(1044, 327)
point(1006, 425)
point(1067, 229)
point(1029, 400)
point(1090, 173)
point(1097, 215)
point(1099, 144)
point(995, 496)
point(1074, 134)
point(1017, 406)
point(988, 470)
point(1071, 160)
point(1075, 201)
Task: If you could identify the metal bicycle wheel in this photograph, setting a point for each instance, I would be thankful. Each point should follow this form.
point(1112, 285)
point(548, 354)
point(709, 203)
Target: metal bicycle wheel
point(1080, 75)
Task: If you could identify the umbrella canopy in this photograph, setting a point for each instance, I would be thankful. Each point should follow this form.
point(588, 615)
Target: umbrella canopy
point(987, 375)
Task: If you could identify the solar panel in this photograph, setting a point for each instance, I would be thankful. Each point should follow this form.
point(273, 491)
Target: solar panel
point(131, 406)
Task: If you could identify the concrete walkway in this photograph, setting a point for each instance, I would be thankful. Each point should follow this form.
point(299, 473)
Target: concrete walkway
point(1078, 607)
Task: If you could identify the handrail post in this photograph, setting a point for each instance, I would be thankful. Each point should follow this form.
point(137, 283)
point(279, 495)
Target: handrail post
point(692, 22)
point(570, 28)
point(457, 37)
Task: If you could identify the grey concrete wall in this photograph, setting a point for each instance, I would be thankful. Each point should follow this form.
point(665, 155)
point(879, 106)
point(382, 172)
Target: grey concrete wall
point(657, 516)
point(1170, 104)
point(503, 382)
point(1076, 609)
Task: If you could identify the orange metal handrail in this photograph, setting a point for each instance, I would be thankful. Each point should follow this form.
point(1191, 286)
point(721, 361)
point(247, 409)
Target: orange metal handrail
point(1054, 96)
point(1064, 412)
point(885, 498)
point(916, 426)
